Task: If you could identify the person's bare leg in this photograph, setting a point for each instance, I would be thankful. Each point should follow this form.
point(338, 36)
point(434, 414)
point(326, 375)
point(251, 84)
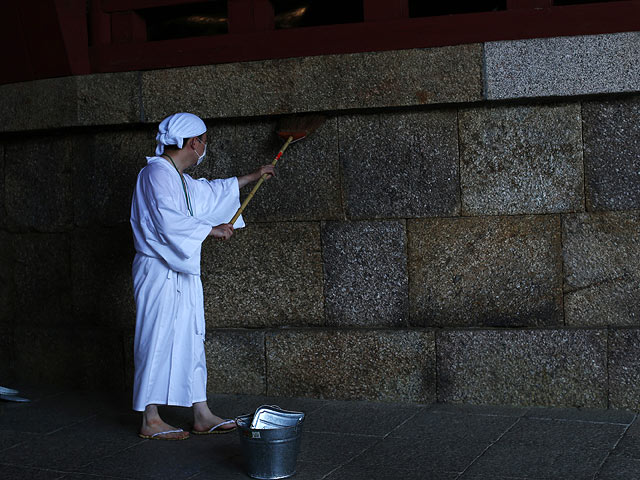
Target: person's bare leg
point(203, 419)
point(152, 423)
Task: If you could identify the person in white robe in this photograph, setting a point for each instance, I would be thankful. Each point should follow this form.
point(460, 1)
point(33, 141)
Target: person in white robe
point(171, 215)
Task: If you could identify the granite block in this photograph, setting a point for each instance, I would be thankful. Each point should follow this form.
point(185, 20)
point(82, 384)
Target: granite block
point(489, 271)
point(236, 362)
point(612, 153)
point(400, 164)
point(365, 273)
point(3, 211)
point(128, 339)
point(523, 367)
point(624, 368)
point(521, 159)
point(434, 75)
point(266, 275)
point(601, 260)
point(82, 100)
point(7, 285)
point(109, 99)
point(40, 104)
point(6, 353)
point(38, 183)
point(104, 181)
point(70, 357)
point(102, 286)
point(385, 365)
point(307, 185)
point(360, 80)
point(562, 66)
point(42, 279)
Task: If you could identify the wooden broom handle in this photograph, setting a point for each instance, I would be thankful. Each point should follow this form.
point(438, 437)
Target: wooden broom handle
point(257, 185)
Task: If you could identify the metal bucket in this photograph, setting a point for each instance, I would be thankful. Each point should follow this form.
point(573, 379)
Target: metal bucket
point(272, 452)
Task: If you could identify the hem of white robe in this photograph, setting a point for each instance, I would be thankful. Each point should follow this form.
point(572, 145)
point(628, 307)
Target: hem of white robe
point(170, 404)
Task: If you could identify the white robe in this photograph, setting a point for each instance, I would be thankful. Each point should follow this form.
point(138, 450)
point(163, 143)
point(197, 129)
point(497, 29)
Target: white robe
point(170, 365)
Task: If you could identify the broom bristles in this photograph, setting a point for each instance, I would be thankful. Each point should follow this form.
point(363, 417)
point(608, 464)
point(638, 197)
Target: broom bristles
point(299, 126)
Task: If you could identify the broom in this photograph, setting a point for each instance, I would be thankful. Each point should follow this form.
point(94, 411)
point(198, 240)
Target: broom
point(290, 129)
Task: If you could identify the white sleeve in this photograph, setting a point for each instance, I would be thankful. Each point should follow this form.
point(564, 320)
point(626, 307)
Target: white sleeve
point(218, 201)
point(176, 231)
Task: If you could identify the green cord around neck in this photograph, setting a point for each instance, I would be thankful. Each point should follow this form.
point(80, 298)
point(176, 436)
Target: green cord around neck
point(184, 184)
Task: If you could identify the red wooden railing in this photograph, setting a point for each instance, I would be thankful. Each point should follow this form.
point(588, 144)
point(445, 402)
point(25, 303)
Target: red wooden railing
point(48, 38)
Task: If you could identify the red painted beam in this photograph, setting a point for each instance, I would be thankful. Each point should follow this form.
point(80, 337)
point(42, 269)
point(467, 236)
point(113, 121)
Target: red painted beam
point(247, 16)
point(513, 4)
point(72, 22)
point(373, 36)
point(128, 5)
point(377, 10)
point(15, 53)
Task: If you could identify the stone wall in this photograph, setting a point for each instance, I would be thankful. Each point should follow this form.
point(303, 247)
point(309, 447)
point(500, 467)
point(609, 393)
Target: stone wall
point(463, 228)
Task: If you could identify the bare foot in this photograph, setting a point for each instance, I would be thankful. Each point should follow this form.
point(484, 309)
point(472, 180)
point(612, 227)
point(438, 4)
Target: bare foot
point(204, 420)
point(152, 424)
point(152, 427)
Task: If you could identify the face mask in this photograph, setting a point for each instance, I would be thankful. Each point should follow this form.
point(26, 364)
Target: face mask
point(201, 157)
point(204, 152)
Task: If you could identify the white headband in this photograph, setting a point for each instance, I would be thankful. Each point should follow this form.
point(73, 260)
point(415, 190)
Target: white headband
point(175, 128)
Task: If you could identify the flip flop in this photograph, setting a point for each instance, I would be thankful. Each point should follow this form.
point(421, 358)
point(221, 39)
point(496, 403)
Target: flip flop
point(13, 398)
point(213, 430)
point(8, 391)
point(157, 436)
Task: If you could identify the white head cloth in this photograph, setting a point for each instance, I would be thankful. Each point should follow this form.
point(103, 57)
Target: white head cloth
point(175, 128)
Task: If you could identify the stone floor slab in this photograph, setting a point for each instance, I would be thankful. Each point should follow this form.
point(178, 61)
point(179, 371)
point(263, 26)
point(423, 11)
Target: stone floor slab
point(619, 468)
point(450, 456)
point(333, 448)
point(361, 418)
point(445, 427)
point(526, 461)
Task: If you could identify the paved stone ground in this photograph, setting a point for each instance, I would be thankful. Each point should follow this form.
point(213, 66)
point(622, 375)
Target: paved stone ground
point(89, 436)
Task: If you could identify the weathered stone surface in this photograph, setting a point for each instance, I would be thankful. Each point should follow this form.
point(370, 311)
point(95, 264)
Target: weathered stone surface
point(7, 285)
point(365, 270)
point(101, 99)
point(562, 66)
point(400, 164)
point(102, 286)
point(38, 183)
point(6, 352)
point(382, 365)
point(3, 212)
point(129, 366)
point(523, 367)
point(236, 362)
point(266, 275)
point(40, 104)
point(42, 280)
point(361, 80)
point(602, 264)
point(105, 179)
point(69, 357)
point(109, 98)
point(521, 159)
point(489, 271)
point(612, 153)
point(624, 368)
point(307, 185)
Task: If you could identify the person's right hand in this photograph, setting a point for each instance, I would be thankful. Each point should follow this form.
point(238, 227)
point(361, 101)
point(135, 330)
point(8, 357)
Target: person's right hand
point(222, 231)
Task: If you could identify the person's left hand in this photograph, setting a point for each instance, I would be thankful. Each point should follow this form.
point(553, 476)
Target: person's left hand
point(269, 170)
